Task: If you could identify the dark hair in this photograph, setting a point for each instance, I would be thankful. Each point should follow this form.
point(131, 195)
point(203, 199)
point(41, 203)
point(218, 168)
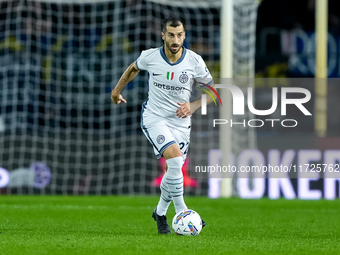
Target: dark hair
point(173, 22)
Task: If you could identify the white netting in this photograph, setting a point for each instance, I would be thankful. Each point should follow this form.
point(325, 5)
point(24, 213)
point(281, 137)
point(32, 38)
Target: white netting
point(245, 13)
point(59, 131)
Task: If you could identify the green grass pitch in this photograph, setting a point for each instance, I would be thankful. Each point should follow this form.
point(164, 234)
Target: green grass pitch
point(123, 225)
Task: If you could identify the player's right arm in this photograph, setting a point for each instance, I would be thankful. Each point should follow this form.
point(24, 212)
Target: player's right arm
point(127, 76)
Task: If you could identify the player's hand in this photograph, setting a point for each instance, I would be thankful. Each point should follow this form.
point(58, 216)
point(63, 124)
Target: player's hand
point(116, 97)
point(183, 111)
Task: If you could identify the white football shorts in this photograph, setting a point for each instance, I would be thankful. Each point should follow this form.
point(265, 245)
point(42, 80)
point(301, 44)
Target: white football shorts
point(161, 134)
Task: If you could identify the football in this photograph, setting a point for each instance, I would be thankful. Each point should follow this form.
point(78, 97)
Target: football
point(187, 222)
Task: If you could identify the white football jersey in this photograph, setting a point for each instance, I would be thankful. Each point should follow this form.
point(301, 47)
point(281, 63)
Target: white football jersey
point(171, 83)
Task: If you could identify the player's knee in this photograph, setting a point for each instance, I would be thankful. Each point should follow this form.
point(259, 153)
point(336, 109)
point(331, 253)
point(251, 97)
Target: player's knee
point(174, 166)
point(177, 154)
point(172, 151)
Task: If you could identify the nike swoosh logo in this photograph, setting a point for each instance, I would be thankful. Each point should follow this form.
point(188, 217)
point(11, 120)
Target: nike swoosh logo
point(178, 188)
point(156, 74)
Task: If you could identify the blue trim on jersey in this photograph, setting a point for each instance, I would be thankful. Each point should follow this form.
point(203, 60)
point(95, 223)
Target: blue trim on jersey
point(145, 103)
point(161, 49)
point(158, 156)
point(137, 65)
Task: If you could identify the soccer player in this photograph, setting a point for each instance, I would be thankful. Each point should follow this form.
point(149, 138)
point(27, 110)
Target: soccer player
point(166, 114)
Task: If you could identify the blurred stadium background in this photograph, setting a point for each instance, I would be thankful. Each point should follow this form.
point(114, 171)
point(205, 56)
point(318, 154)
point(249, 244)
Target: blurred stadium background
point(61, 134)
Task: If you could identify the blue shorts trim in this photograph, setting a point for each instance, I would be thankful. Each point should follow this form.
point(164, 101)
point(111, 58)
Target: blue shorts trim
point(166, 146)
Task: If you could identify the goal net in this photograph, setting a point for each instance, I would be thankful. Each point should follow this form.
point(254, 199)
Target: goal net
point(59, 131)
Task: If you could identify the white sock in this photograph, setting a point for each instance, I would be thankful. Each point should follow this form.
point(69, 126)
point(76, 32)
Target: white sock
point(174, 180)
point(165, 198)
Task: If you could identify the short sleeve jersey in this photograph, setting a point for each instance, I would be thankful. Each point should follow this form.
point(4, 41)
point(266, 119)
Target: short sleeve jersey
point(171, 83)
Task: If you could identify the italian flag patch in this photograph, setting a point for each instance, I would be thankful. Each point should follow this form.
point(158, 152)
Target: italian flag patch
point(170, 75)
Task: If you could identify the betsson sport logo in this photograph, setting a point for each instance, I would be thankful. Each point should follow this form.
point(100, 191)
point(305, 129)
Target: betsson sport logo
point(238, 105)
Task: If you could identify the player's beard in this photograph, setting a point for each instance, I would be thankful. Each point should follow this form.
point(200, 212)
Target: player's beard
point(171, 50)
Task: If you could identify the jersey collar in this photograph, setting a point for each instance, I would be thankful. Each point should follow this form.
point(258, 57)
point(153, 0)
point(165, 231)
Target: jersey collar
point(167, 60)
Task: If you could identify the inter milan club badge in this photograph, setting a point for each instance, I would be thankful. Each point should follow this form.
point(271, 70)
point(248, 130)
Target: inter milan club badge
point(183, 78)
point(160, 139)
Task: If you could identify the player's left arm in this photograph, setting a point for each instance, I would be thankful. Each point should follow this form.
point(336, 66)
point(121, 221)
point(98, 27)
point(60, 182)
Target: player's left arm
point(187, 109)
point(202, 76)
